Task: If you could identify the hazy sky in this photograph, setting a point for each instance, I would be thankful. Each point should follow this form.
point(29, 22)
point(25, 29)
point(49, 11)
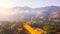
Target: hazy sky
point(30, 3)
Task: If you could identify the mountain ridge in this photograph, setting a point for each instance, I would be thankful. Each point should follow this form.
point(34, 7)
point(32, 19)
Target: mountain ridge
point(26, 13)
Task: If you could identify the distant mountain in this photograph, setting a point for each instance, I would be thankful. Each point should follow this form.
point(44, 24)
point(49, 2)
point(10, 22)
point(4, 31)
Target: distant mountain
point(27, 13)
point(23, 13)
point(47, 11)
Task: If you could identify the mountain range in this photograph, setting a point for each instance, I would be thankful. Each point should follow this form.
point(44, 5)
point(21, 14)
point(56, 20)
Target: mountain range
point(26, 13)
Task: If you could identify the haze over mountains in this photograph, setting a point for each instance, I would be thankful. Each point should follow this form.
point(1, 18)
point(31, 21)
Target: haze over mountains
point(26, 13)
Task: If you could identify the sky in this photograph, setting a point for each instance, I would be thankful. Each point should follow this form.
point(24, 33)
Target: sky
point(29, 3)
